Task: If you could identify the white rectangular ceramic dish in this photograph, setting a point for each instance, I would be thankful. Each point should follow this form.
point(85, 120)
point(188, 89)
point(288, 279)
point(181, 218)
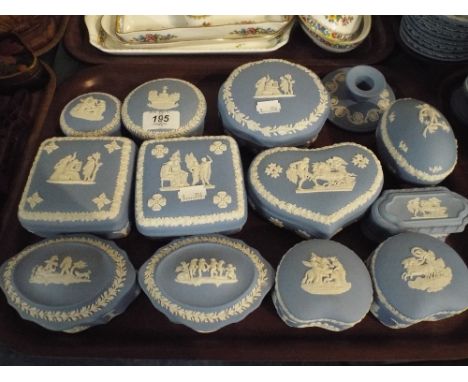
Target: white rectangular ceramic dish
point(112, 45)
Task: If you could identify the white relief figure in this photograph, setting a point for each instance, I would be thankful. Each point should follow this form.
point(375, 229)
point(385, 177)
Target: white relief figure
point(328, 176)
point(69, 272)
point(424, 271)
point(267, 87)
point(163, 100)
point(199, 272)
point(172, 172)
point(91, 167)
point(325, 276)
point(70, 170)
point(432, 119)
point(286, 84)
point(426, 208)
point(205, 170)
point(89, 108)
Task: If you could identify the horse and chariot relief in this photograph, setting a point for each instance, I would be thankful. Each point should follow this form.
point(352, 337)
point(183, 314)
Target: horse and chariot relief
point(328, 176)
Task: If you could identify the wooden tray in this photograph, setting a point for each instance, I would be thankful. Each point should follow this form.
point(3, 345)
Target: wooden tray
point(34, 37)
point(30, 117)
point(143, 332)
point(299, 49)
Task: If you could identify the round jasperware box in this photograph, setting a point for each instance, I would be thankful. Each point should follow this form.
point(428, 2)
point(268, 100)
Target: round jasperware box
point(69, 283)
point(322, 283)
point(206, 282)
point(416, 142)
point(272, 103)
point(91, 115)
point(417, 278)
point(164, 108)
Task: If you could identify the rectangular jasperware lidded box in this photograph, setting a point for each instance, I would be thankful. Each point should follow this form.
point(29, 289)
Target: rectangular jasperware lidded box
point(189, 186)
point(79, 185)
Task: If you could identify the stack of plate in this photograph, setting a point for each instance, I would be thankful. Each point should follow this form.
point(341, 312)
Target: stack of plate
point(443, 38)
point(188, 34)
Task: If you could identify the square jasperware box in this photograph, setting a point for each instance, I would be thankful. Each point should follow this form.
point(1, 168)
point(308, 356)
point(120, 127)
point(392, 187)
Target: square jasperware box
point(79, 185)
point(189, 186)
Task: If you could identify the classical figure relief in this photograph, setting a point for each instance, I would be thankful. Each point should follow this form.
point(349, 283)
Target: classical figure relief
point(199, 271)
point(267, 87)
point(172, 172)
point(326, 276)
point(426, 208)
point(70, 170)
point(425, 272)
point(432, 119)
point(328, 176)
point(64, 272)
point(163, 100)
point(90, 109)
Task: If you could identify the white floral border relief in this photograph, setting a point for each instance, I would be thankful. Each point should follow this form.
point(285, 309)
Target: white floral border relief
point(268, 131)
point(248, 300)
point(293, 209)
point(57, 315)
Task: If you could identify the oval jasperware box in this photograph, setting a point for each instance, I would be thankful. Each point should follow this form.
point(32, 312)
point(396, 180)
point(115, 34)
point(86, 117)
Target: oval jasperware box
point(435, 211)
point(322, 283)
point(69, 283)
point(272, 103)
point(164, 108)
point(314, 192)
point(358, 96)
point(189, 186)
point(417, 278)
point(91, 115)
point(409, 134)
point(79, 185)
point(206, 282)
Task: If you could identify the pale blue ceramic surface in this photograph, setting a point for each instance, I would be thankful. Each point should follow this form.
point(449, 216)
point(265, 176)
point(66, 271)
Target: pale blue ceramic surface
point(160, 209)
point(409, 134)
point(307, 89)
point(76, 295)
point(191, 105)
point(359, 96)
point(106, 123)
point(309, 210)
point(203, 301)
point(49, 207)
point(417, 304)
point(302, 308)
point(436, 211)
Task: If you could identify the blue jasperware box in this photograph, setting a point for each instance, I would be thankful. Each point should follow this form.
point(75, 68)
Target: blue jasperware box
point(79, 185)
point(416, 142)
point(91, 115)
point(164, 108)
point(417, 278)
point(273, 102)
point(69, 283)
point(188, 186)
point(314, 192)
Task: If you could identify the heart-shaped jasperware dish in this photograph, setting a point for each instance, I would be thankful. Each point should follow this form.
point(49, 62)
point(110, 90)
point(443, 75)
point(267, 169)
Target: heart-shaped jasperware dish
point(315, 192)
